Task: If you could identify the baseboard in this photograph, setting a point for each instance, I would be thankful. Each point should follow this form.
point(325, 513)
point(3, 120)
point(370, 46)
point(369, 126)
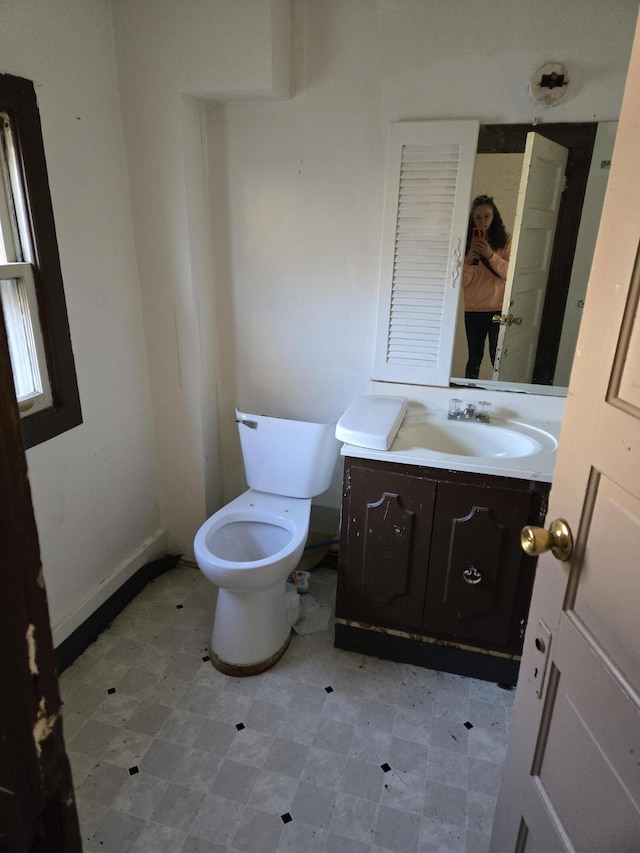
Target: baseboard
point(105, 601)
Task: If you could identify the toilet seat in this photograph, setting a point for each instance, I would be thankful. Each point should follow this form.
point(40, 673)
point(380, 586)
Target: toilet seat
point(237, 527)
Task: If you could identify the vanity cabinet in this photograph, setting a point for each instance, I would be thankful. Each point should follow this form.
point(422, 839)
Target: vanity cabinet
point(433, 557)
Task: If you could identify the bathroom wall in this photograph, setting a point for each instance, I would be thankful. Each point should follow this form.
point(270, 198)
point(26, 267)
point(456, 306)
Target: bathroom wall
point(105, 494)
point(173, 59)
point(94, 488)
point(304, 178)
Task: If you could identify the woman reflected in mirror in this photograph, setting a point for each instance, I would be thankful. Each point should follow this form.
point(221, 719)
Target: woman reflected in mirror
point(486, 263)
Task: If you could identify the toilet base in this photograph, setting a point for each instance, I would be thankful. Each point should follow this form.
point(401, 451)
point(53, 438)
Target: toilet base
point(240, 670)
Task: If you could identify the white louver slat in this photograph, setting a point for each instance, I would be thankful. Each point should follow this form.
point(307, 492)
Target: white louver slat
point(428, 192)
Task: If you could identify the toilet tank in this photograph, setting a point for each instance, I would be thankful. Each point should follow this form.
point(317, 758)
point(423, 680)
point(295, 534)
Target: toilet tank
point(283, 457)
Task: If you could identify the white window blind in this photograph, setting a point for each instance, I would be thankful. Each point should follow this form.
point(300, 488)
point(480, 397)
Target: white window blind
point(18, 298)
point(429, 173)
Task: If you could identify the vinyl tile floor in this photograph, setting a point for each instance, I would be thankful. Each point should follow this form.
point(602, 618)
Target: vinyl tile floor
point(327, 752)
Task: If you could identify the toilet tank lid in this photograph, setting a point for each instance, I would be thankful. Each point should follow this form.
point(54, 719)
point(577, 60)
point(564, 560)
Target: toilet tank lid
point(372, 420)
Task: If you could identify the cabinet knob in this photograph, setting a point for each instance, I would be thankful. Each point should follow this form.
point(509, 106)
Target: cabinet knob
point(557, 539)
point(472, 575)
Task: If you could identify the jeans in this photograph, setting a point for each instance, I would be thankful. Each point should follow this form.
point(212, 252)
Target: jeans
point(479, 325)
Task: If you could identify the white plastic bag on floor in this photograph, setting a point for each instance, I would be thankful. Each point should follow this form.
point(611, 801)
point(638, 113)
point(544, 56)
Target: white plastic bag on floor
point(293, 603)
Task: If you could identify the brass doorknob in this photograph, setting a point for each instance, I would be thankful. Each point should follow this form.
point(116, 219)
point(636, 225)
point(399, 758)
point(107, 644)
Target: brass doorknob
point(507, 320)
point(557, 539)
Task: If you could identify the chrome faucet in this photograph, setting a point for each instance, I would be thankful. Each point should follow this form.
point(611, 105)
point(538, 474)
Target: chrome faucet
point(469, 412)
point(461, 411)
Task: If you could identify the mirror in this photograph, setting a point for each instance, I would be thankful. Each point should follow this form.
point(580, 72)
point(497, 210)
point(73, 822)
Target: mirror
point(498, 171)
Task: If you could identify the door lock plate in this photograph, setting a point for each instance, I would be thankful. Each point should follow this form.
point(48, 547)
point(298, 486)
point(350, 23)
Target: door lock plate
point(542, 642)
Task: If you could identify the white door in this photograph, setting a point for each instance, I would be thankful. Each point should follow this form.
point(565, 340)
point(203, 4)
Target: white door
point(539, 198)
point(572, 775)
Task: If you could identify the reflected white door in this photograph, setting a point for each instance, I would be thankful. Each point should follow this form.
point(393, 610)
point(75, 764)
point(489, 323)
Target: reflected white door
point(539, 198)
point(572, 775)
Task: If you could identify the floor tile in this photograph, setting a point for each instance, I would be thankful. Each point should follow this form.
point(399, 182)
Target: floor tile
point(257, 832)
point(327, 752)
point(354, 818)
point(397, 830)
point(297, 836)
point(148, 718)
point(314, 804)
point(286, 757)
point(116, 832)
point(162, 758)
point(234, 781)
point(403, 791)
point(273, 792)
point(178, 806)
point(445, 803)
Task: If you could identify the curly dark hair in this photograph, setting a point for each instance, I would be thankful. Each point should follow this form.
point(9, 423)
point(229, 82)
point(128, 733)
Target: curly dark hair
point(497, 233)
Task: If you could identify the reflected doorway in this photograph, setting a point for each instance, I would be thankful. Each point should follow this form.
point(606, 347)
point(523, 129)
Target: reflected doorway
point(498, 170)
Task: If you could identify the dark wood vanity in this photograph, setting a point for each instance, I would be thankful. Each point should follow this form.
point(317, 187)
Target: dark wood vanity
point(431, 570)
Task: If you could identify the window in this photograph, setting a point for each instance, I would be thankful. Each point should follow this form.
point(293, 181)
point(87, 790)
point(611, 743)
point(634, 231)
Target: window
point(31, 289)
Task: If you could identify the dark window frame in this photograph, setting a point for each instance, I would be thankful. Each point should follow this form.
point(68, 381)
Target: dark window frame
point(18, 99)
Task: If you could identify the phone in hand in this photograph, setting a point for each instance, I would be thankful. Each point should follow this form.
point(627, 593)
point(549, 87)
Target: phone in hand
point(477, 236)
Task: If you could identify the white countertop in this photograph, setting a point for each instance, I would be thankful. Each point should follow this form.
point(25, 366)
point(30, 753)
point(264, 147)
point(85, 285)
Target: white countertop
point(537, 418)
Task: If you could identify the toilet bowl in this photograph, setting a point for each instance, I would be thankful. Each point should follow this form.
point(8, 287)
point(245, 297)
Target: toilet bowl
point(250, 546)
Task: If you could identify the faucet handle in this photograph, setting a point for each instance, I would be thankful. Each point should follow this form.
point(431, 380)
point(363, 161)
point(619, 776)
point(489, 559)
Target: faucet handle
point(456, 406)
point(483, 410)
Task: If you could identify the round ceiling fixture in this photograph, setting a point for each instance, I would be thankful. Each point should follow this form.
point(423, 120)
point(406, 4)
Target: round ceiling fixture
point(549, 85)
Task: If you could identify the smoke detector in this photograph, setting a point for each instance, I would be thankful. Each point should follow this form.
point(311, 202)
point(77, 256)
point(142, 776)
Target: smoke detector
point(549, 85)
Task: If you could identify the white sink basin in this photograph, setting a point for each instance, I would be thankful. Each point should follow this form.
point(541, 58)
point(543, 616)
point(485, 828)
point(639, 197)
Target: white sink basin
point(473, 439)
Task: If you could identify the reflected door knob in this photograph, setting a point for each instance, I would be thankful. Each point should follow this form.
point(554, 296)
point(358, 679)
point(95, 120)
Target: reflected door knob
point(507, 320)
point(557, 539)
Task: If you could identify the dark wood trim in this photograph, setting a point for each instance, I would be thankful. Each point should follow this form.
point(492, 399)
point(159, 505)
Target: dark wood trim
point(91, 628)
point(579, 138)
point(37, 804)
point(18, 99)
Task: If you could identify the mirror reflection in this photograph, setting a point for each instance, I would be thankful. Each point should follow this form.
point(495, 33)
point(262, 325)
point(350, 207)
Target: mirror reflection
point(553, 212)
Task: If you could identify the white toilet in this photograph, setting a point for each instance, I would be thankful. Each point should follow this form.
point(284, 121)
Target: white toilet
point(250, 546)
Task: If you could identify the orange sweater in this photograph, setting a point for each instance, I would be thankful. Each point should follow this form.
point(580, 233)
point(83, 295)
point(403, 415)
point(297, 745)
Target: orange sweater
point(483, 291)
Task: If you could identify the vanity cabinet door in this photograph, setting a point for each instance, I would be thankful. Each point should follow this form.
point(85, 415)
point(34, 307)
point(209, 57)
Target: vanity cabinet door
point(386, 537)
point(479, 579)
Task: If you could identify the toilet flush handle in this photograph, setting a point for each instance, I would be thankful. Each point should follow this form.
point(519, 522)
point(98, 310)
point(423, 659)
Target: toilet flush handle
point(247, 422)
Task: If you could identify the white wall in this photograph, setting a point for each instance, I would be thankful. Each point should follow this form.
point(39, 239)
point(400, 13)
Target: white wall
point(305, 177)
point(172, 58)
point(94, 487)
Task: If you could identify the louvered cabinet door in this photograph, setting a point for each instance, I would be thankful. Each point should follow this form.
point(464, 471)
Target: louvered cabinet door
point(428, 189)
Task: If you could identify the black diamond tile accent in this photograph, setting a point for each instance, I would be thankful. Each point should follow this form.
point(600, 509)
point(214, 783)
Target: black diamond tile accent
point(386, 767)
point(468, 725)
point(328, 689)
point(240, 726)
point(111, 690)
point(286, 818)
point(133, 770)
